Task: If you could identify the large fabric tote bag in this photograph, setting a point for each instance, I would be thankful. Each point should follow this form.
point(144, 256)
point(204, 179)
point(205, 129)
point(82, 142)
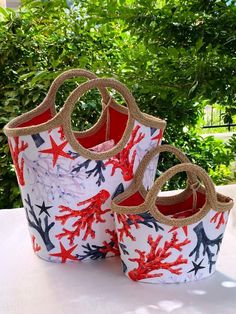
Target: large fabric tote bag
point(67, 179)
point(170, 239)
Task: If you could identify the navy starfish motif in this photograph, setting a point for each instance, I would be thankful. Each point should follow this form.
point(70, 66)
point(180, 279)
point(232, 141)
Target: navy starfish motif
point(196, 267)
point(44, 209)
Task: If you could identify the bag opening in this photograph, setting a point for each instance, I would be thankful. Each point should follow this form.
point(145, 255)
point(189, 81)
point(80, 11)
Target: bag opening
point(98, 133)
point(180, 209)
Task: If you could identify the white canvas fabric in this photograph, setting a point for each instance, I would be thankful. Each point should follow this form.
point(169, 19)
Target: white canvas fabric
point(67, 190)
point(154, 252)
point(170, 239)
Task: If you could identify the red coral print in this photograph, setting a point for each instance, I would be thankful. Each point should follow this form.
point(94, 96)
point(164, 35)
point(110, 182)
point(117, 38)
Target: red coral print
point(36, 246)
point(184, 228)
point(87, 216)
point(126, 222)
point(218, 219)
point(158, 137)
point(123, 160)
point(18, 162)
point(60, 131)
point(183, 214)
point(155, 259)
point(112, 246)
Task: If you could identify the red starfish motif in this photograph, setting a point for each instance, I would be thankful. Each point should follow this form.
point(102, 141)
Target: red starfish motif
point(56, 151)
point(65, 254)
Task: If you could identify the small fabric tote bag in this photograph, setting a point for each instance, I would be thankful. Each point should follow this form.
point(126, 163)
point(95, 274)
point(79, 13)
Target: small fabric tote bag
point(67, 179)
point(170, 239)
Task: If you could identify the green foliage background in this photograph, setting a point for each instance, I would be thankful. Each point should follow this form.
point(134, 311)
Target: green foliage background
point(175, 56)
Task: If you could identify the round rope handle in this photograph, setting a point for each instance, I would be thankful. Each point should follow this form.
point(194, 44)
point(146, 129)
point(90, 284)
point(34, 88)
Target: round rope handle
point(100, 83)
point(137, 183)
point(69, 74)
point(211, 197)
point(139, 175)
point(66, 111)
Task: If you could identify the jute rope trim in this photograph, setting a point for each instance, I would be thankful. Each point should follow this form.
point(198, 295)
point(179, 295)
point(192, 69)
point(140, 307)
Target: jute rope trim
point(156, 151)
point(215, 201)
point(68, 108)
point(211, 199)
point(59, 81)
point(223, 202)
point(63, 118)
point(11, 128)
point(194, 187)
point(103, 119)
point(137, 183)
point(108, 120)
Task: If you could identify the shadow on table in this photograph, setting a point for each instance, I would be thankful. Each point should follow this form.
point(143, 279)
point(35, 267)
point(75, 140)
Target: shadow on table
point(102, 288)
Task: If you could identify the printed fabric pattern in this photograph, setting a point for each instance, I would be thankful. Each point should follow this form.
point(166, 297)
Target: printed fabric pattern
point(157, 253)
point(67, 198)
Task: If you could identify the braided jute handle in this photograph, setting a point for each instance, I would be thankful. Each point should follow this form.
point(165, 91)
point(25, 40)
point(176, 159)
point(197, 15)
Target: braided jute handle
point(66, 111)
point(211, 197)
point(137, 183)
point(100, 83)
point(139, 174)
point(69, 74)
point(215, 201)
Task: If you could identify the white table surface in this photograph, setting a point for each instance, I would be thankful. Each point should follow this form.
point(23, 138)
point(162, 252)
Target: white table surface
point(29, 285)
